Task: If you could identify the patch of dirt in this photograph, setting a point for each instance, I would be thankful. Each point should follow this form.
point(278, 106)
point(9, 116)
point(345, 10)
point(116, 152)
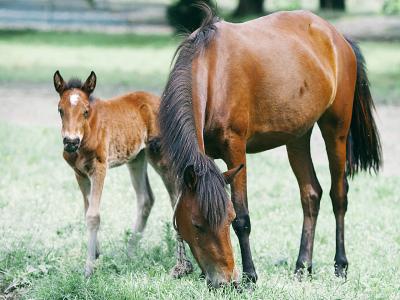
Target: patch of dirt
point(37, 105)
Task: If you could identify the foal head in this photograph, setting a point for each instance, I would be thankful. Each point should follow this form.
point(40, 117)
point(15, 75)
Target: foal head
point(74, 108)
point(210, 246)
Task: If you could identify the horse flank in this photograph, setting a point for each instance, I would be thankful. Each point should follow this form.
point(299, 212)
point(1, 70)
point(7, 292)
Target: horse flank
point(178, 133)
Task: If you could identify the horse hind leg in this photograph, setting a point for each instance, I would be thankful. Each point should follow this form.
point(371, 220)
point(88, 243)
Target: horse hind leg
point(310, 194)
point(183, 265)
point(144, 194)
point(334, 128)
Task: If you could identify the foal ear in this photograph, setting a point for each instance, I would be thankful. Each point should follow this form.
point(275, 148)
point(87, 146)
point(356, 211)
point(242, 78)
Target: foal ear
point(189, 177)
point(230, 174)
point(59, 83)
point(90, 83)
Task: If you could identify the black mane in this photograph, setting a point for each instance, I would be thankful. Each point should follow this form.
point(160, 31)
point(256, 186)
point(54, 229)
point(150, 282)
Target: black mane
point(76, 83)
point(178, 132)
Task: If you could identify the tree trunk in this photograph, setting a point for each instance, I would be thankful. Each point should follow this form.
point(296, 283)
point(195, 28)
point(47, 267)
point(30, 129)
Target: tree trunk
point(249, 7)
point(332, 4)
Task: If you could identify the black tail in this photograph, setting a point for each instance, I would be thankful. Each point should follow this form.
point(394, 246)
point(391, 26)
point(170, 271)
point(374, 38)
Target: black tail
point(178, 131)
point(364, 152)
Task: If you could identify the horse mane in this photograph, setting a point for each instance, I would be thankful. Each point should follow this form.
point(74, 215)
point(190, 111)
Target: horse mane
point(76, 83)
point(177, 127)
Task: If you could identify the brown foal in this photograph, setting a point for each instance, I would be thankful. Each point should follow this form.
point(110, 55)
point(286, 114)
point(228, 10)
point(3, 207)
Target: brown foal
point(250, 87)
point(101, 134)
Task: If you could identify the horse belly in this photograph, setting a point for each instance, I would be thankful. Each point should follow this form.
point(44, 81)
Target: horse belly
point(267, 140)
point(122, 151)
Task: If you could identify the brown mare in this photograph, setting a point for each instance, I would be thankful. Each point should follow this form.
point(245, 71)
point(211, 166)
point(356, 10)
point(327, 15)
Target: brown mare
point(250, 87)
point(101, 134)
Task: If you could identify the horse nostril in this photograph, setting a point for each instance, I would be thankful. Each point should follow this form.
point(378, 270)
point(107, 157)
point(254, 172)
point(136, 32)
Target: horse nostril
point(70, 141)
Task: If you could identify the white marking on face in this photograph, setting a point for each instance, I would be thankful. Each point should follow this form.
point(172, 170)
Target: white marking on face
point(74, 98)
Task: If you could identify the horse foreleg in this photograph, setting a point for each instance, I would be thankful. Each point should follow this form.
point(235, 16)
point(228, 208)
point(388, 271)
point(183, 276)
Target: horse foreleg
point(236, 155)
point(310, 194)
point(93, 216)
point(84, 185)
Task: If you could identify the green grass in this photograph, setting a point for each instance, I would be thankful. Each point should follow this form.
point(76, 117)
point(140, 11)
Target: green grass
point(43, 237)
point(141, 62)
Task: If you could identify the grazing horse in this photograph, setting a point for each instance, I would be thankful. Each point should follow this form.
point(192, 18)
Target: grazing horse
point(249, 87)
point(101, 134)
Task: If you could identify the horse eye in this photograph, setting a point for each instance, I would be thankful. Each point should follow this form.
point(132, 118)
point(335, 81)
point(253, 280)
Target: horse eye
point(61, 112)
point(198, 227)
point(86, 113)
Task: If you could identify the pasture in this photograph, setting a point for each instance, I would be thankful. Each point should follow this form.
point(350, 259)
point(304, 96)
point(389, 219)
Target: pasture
point(42, 230)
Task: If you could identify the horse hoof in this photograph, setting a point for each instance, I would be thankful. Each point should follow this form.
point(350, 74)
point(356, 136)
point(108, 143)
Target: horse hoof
point(88, 271)
point(250, 277)
point(341, 270)
point(181, 269)
point(301, 271)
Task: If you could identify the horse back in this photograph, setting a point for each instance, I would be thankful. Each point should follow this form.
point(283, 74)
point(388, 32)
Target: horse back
point(127, 123)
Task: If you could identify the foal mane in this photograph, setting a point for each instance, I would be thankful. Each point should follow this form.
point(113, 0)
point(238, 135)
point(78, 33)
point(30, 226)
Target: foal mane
point(178, 132)
point(76, 83)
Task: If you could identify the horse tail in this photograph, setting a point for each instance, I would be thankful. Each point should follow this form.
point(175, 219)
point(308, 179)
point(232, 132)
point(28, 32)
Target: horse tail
point(179, 141)
point(364, 152)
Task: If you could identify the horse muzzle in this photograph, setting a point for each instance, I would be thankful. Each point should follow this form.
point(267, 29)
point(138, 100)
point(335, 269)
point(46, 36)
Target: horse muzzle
point(71, 145)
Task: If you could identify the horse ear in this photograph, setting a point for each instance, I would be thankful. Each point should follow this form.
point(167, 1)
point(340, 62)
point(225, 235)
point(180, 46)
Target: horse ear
point(230, 174)
point(59, 83)
point(189, 177)
point(90, 83)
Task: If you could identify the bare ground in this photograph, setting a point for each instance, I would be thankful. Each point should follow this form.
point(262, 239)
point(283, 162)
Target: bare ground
point(36, 105)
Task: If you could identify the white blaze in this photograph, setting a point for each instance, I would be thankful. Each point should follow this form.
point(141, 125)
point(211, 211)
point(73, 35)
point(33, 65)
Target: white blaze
point(74, 99)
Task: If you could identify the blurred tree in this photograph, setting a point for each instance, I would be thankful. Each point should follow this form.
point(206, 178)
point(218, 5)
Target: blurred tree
point(391, 7)
point(185, 16)
point(249, 7)
point(332, 4)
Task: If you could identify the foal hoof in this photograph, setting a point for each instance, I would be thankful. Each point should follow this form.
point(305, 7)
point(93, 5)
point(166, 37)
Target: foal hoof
point(341, 270)
point(89, 270)
point(181, 269)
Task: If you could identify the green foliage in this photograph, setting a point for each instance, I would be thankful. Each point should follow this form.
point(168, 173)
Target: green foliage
point(185, 16)
point(391, 7)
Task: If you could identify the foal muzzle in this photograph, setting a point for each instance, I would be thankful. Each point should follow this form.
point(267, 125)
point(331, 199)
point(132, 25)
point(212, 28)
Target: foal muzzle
point(71, 145)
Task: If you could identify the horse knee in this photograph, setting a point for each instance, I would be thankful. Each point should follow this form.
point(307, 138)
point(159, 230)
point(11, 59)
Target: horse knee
point(241, 225)
point(93, 221)
point(311, 198)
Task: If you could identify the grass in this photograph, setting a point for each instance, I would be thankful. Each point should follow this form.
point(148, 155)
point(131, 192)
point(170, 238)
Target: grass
point(141, 62)
point(43, 237)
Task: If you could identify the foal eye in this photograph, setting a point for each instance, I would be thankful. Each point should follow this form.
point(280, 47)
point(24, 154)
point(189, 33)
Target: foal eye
point(86, 114)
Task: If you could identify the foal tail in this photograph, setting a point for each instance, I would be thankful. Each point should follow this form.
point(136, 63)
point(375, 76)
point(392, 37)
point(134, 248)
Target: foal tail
point(364, 152)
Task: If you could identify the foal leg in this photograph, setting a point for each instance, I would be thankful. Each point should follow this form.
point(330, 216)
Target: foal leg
point(236, 155)
point(310, 194)
point(144, 194)
point(93, 216)
point(85, 186)
point(183, 265)
point(335, 136)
